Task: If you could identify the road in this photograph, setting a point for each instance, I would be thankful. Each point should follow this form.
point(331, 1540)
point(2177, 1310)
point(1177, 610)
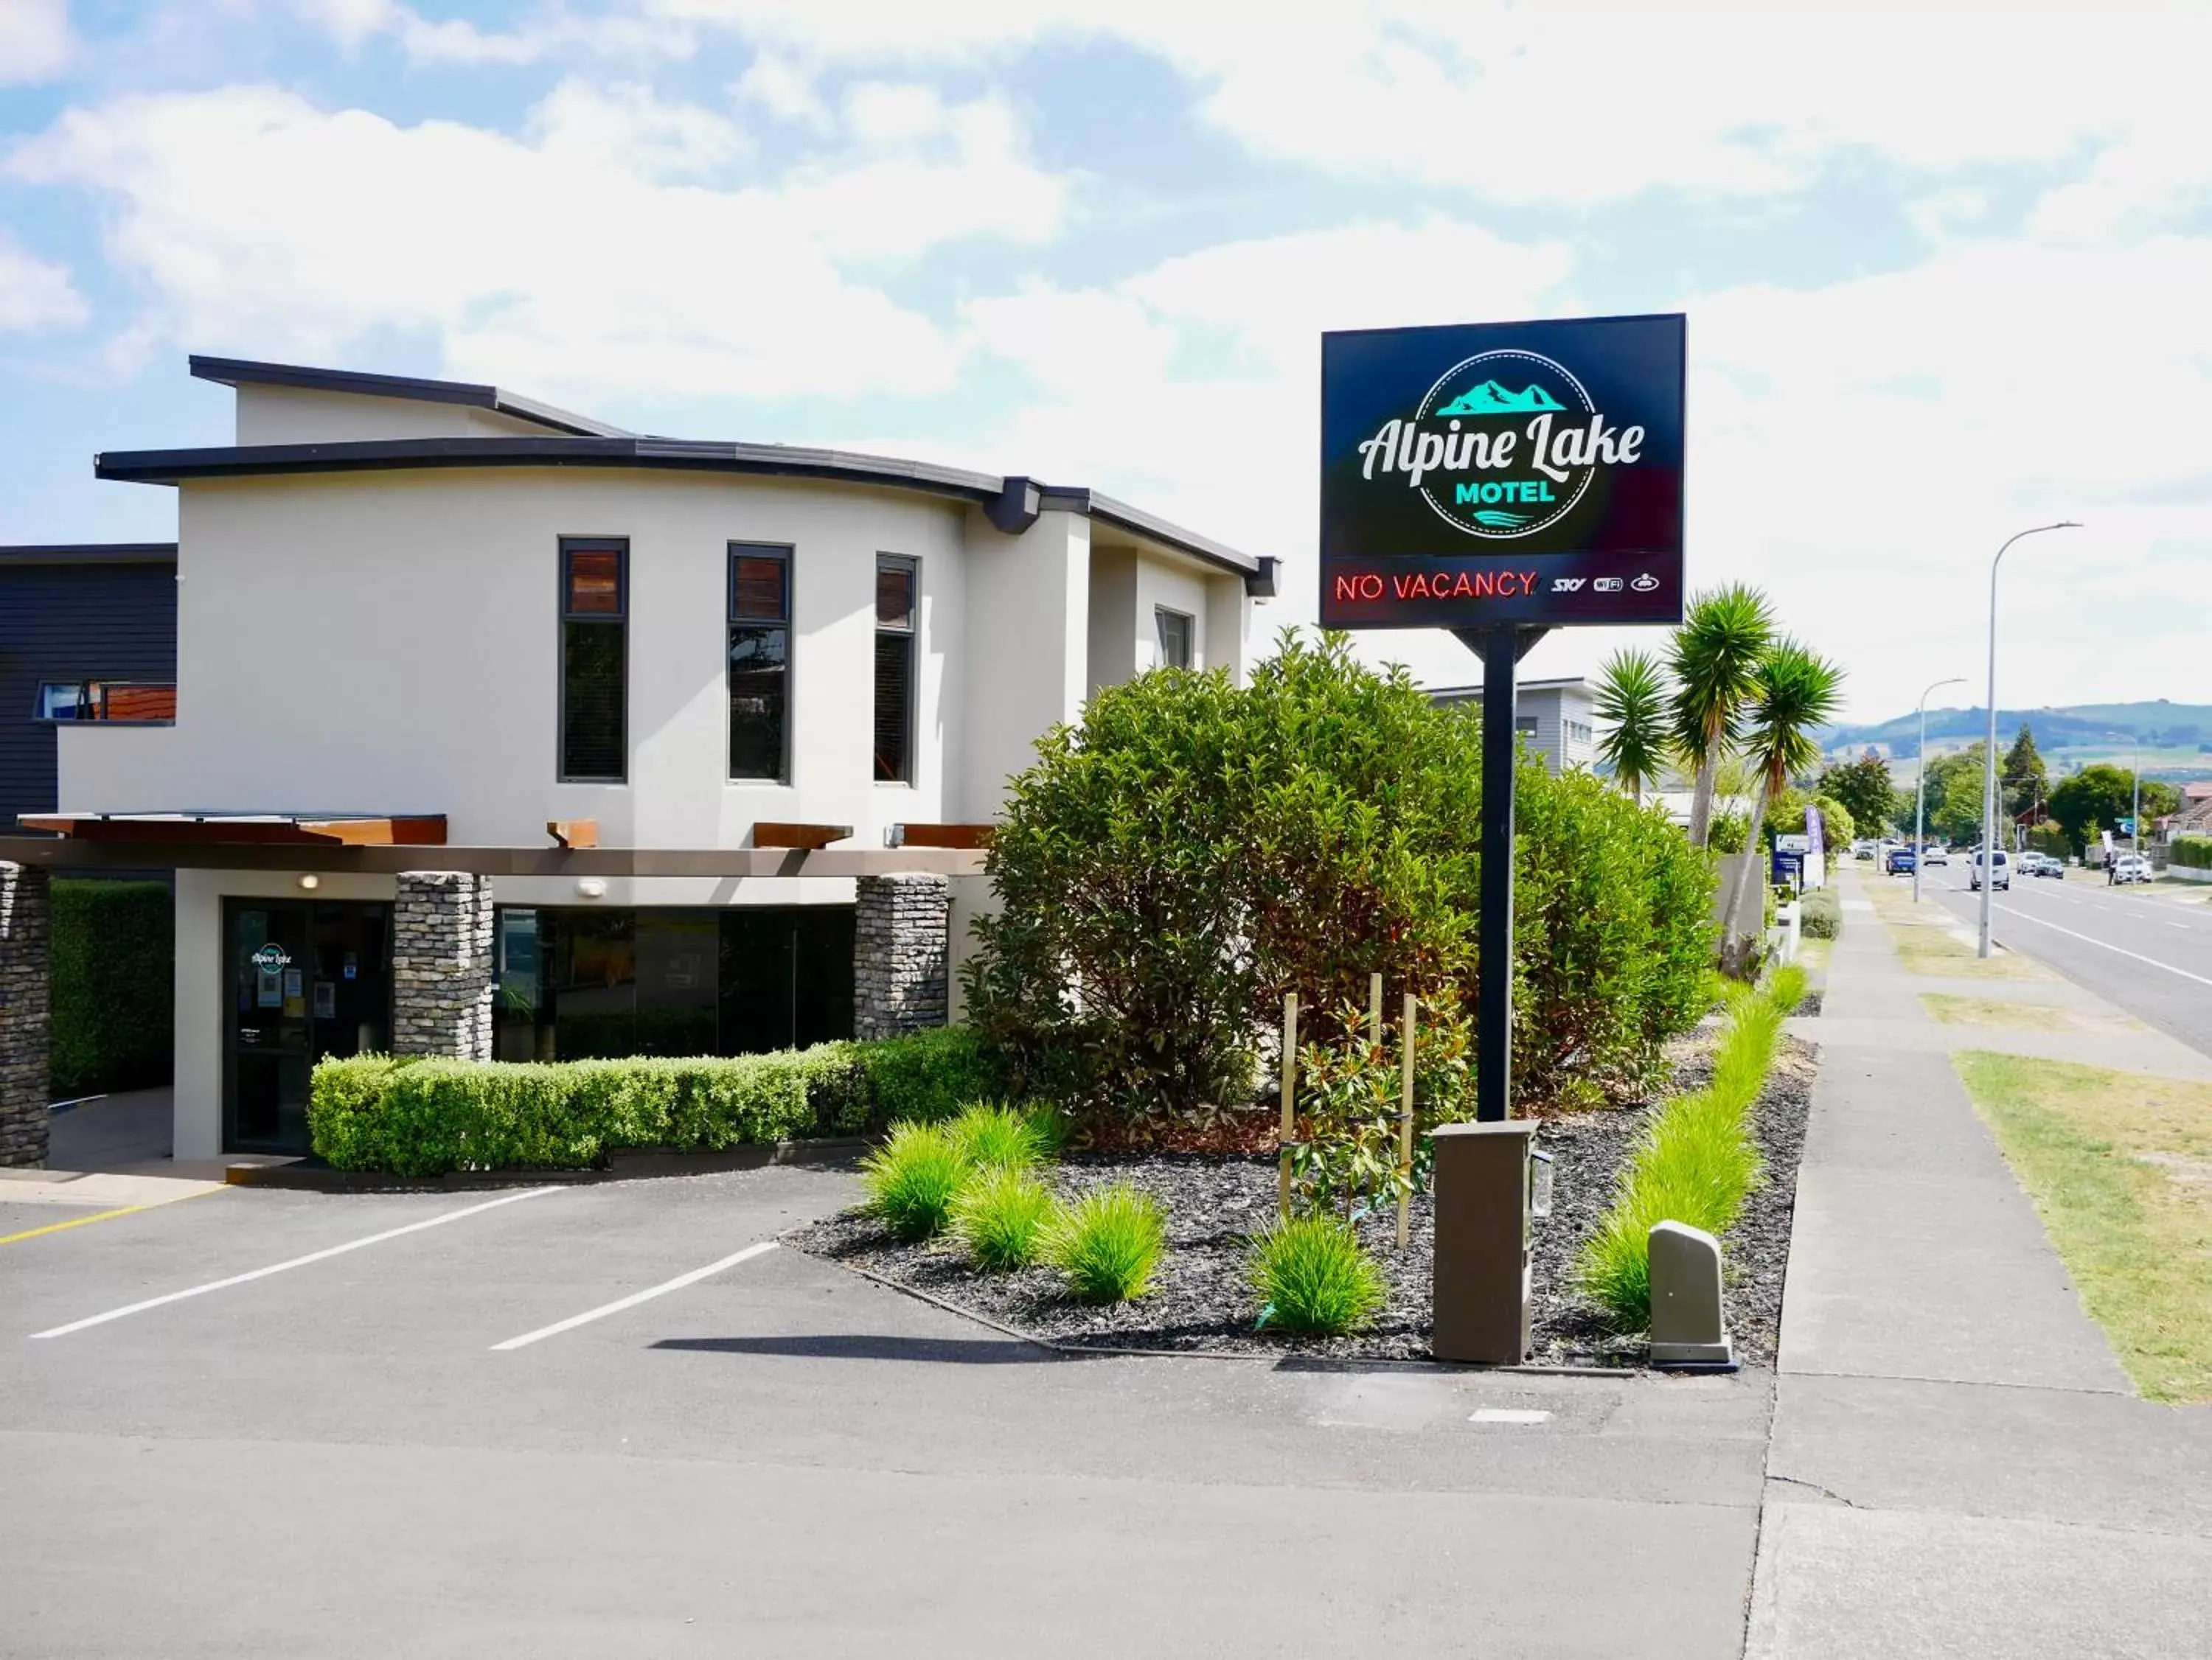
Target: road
point(2147, 948)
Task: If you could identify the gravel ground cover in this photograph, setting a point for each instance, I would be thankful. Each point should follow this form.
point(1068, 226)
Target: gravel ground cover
point(1202, 1301)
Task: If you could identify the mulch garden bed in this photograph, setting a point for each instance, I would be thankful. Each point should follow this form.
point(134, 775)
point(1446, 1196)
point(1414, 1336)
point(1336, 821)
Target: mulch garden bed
point(1202, 1301)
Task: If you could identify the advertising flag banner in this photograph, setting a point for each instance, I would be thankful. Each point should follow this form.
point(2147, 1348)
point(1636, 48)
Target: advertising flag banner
point(1520, 473)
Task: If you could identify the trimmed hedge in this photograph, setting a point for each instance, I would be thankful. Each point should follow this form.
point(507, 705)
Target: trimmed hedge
point(113, 966)
point(2191, 851)
point(1820, 914)
point(409, 1117)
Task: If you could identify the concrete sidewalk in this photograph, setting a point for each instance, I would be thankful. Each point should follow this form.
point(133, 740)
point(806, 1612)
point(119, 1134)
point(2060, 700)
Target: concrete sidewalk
point(1959, 1464)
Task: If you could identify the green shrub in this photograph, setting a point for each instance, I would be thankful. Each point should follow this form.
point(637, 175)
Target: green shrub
point(2191, 851)
point(912, 1179)
point(113, 965)
point(995, 1137)
point(1785, 988)
point(1108, 1243)
point(1003, 1217)
point(1697, 1162)
point(1820, 914)
point(1313, 1277)
point(426, 1117)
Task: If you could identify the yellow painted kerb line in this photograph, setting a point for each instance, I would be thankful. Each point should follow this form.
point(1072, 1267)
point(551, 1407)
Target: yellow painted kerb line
point(74, 1221)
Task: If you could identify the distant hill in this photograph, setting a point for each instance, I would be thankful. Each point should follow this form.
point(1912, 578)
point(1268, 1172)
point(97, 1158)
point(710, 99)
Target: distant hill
point(2075, 732)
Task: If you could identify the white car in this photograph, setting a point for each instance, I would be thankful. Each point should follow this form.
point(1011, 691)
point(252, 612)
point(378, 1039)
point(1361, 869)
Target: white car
point(2000, 869)
point(1934, 855)
point(2131, 867)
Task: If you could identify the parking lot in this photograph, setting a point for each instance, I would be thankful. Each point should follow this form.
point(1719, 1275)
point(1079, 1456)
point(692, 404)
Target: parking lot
point(619, 1419)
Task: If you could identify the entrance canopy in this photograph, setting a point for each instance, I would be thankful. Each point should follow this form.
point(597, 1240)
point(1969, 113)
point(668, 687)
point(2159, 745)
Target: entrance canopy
point(279, 829)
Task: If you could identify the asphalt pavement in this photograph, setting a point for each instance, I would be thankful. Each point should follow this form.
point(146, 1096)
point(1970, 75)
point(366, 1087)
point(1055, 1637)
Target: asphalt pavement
point(2147, 947)
point(619, 1419)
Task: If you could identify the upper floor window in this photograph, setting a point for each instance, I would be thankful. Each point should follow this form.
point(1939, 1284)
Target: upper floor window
point(1175, 628)
point(118, 702)
point(896, 582)
point(760, 662)
point(594, 659)
point(1525, 725)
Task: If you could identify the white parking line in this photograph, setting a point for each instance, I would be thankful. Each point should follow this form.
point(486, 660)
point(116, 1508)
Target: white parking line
point(636, 1298)
point(2091, 940)
point(297, 1262)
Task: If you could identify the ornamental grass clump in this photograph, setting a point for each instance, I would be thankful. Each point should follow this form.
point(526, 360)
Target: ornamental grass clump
point(914, 1179)
point(1002, 1219)
point(1314, 1279)
point(992, 1137)
point(1108, 1244)
point(1696, 1163)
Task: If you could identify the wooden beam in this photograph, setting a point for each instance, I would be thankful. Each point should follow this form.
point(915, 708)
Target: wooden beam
point(574, 832)
point(941, 835)
point(809, 836)
point(408, 830)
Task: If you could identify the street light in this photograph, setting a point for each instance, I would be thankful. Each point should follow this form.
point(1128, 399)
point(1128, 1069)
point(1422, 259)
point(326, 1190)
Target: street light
point(1920, 788)
point(1989, 760)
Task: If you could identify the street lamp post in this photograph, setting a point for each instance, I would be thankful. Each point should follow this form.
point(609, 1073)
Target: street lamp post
point(1920, 788)
point(1990, 759)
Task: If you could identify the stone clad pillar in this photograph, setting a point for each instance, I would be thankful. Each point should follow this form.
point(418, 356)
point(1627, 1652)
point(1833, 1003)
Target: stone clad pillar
point(26, 1013)
point(899, 938)
point(441, 945)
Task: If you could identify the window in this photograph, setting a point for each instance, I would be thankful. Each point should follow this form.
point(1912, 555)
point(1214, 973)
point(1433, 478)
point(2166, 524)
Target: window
point(1525, 725)
point(894, 615)
point(1175, 631)
point(116, 702)
point(594, 660)
point(760, 662)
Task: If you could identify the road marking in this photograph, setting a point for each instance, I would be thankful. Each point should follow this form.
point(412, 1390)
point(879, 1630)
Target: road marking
point(74, 1221)
point(2089, 940)
point(636, 1298)
point(1510, 1416)
point(297, 1262)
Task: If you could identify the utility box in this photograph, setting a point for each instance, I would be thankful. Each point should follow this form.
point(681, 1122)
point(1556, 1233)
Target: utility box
point(1481, 1292)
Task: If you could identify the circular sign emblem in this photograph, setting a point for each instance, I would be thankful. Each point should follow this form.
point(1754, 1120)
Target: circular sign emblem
point(1526, 405)
point(271, 958)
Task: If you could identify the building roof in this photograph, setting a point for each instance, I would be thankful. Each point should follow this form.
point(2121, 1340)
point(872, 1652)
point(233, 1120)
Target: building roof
point(89, 552)
point(2198, 792)
point(1012, 502)
point(235, 371)
point(1458, 693)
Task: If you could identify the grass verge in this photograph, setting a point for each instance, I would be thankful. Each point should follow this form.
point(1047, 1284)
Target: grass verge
point(2119, 1167)
point(1955, 1011)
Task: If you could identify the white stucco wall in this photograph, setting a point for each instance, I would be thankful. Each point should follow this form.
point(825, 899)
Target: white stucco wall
point(390, 643)
point(287, 415)
point(1111, 649)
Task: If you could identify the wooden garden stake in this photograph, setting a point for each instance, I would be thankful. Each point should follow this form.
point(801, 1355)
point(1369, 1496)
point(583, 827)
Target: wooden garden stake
point(1289, 1093)
point(1374, 1009)
point(1405, 1136)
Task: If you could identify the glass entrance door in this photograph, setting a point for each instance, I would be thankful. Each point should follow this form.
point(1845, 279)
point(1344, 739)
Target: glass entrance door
point(306, 980)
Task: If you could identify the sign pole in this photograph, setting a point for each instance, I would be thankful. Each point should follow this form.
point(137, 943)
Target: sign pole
point(1290, 1097)
point(1501, 648)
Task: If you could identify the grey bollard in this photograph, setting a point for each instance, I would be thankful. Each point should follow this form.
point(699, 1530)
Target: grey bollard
point(1685, 1298)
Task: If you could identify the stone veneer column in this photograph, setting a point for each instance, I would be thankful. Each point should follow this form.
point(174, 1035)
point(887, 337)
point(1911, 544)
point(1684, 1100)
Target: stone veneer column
point(441, 965)
point(26, 1014)
point(900, 935)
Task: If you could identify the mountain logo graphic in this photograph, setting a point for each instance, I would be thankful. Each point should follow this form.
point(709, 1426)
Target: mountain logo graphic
point(1489, 398)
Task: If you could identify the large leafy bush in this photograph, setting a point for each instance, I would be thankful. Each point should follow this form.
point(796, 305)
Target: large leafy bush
point(114, 955)
point(1193, 850)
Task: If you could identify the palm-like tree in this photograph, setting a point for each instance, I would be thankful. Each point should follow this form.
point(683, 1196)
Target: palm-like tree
point(1714, 655)
point(1794, 690)
point(1631, 698)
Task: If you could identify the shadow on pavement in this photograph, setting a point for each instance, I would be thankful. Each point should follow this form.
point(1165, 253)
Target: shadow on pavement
point(958, 1351)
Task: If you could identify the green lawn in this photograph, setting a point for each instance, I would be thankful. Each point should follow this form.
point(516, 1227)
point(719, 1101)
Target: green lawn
point(2022, 1017)
point(2119, 1167)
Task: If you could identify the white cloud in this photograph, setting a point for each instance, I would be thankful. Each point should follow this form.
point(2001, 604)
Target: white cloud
point(36, 42)
point(35, 292)
point(256, 223)
point(784, 90)
point(552, 31)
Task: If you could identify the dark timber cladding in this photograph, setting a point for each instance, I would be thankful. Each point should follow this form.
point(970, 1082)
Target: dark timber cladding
point(68, 615)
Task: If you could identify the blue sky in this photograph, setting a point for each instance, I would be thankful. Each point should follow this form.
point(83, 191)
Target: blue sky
point(1098, 243)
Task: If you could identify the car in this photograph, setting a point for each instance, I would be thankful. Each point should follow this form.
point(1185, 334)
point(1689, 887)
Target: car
point(1999, 866)
point(1899, 862)
point(1934, 856)
point(2048, 866)
point(1862, 850)
point(2029, 865)
point(2131, 867)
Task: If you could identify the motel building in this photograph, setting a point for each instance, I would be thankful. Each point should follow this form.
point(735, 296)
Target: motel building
point(500, 732)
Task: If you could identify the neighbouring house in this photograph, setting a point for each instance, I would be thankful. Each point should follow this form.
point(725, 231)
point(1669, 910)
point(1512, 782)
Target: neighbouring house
point(87, 632)
point(1554, 717)
point(2195, 816)
point(499, 731)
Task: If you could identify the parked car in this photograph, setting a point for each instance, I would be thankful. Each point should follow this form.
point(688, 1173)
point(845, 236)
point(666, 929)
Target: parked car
point(2049, 866)
point(1999, 866)
point(2131, 867)
point(1863, 849)
point(2029, 864)
point(1900, 862)
point(1934, 856)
